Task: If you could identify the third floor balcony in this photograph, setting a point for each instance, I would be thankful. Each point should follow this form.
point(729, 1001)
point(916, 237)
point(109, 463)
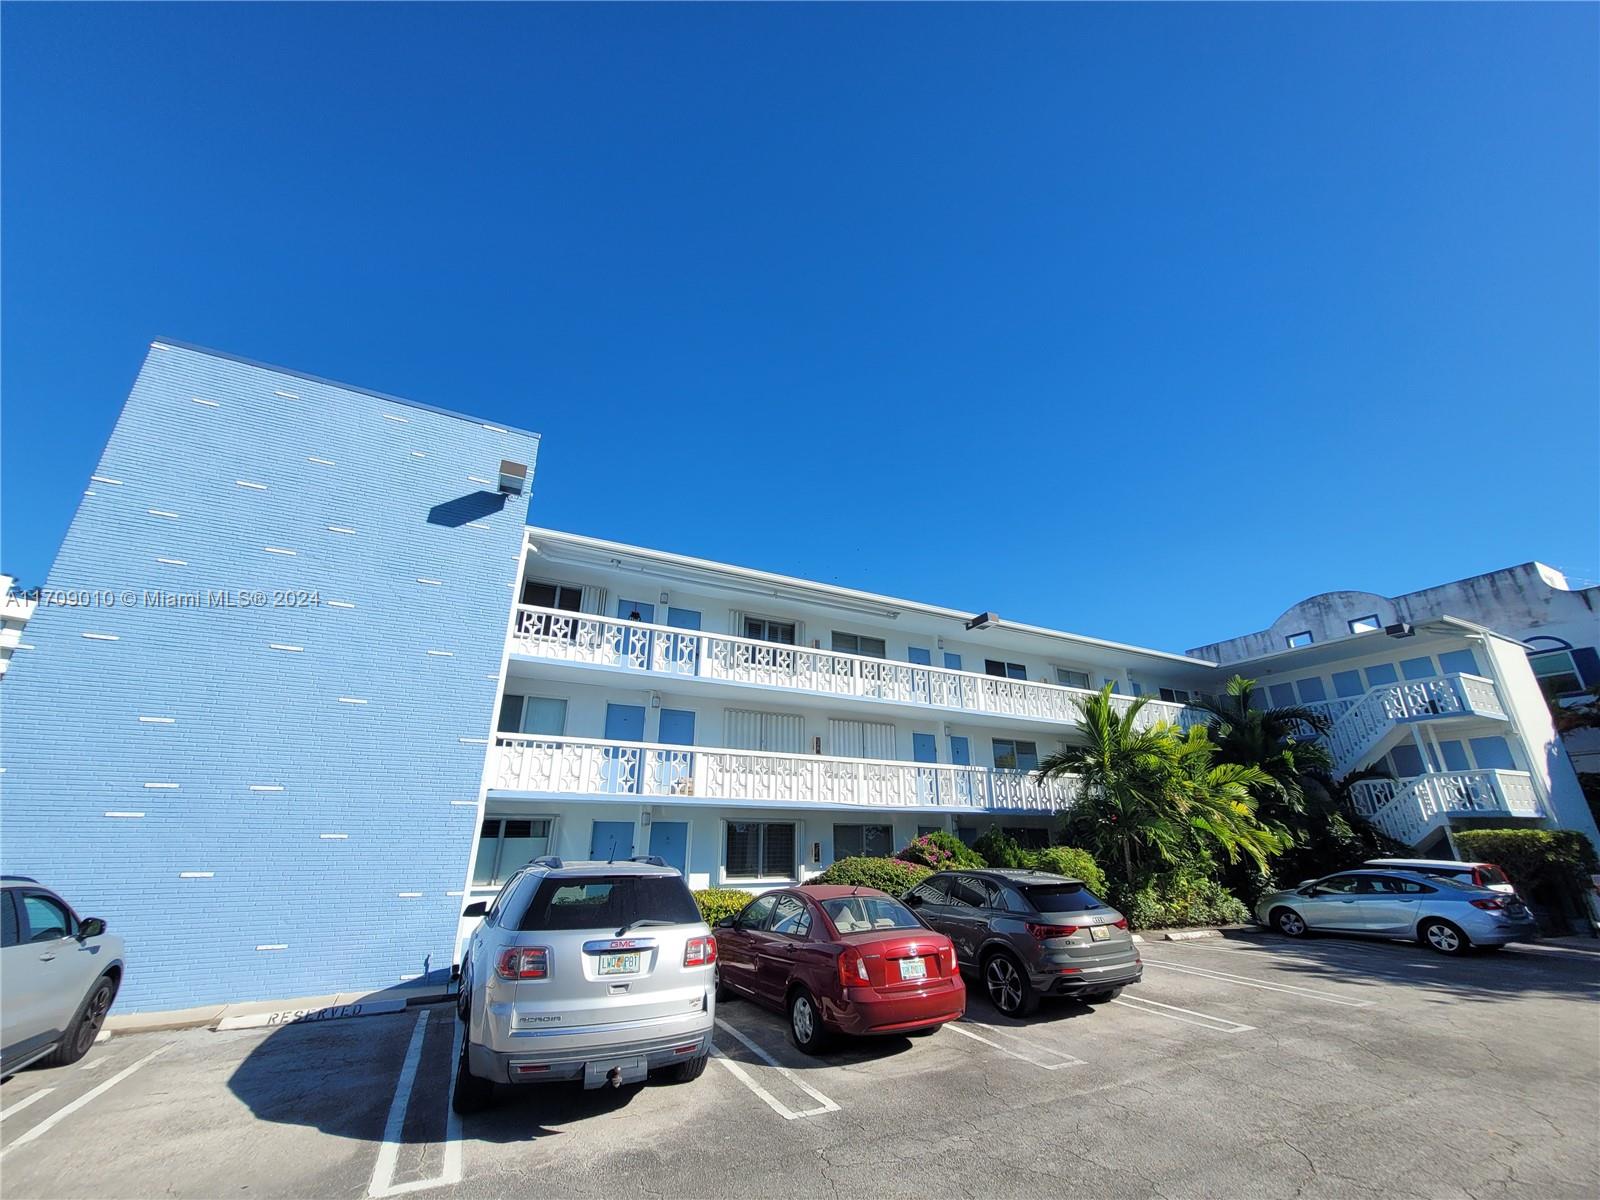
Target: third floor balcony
point(690, 658)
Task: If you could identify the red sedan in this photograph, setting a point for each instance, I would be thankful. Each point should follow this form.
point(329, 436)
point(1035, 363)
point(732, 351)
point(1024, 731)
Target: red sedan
point(839, 960)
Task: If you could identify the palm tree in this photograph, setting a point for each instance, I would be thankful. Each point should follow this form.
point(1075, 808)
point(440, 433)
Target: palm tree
point(1280, 741)
point(1151, 793)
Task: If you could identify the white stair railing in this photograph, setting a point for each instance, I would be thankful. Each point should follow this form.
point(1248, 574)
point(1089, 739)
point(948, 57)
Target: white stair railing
point(1356, 736)
point(601, 767)
point(1410, 809)
point(565, 636)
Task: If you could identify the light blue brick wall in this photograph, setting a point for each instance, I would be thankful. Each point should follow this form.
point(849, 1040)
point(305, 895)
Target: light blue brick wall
point(385, 774)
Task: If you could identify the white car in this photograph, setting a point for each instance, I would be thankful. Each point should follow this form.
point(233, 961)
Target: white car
point(1479, 874)
point(592, 971)
point(59, 974)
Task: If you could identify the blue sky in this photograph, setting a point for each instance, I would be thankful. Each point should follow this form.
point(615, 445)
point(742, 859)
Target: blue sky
point(1142, 321)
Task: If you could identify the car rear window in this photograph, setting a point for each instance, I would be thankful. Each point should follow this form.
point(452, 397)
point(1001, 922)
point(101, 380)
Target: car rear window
point(1492, 874)
point(609, 902)
point(1061, 897)
point(863, 914)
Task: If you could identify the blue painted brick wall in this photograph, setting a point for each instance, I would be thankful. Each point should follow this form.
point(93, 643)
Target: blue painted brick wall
point(245, 716)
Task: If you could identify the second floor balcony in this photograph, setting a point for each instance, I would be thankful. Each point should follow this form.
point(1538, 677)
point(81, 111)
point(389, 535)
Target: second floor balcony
point(1364, 726)
point(690, 656)
point(593, 768)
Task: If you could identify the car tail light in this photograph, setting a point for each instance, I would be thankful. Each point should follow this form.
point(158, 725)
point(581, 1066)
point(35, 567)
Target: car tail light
point(853, 969)
point(1121, 924)
point(1491, 903)
point(1041, 932)
point(700, 952)
point(948, 957)
point(523, 962)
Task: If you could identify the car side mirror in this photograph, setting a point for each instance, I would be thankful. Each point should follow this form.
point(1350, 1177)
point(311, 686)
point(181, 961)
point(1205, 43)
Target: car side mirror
point(476, 910)
point(1305, 891)
point(725, 923)
point(90, 927)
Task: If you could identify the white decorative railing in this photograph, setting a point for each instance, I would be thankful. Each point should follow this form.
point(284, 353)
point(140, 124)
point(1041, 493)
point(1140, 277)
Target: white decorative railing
point(1409, 809)
point(590, 766)
point(634, 645)
point(1366, 723)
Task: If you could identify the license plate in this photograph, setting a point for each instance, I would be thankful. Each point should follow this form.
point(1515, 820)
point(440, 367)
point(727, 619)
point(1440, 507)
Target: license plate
point(913, 968)
point(619, 964)
point(1099, 933)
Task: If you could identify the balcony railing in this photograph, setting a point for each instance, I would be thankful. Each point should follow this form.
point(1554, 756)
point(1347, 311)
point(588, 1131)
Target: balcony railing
point(633, 645)
point(1409, 809)
point(1358, 734)
point(596, 767)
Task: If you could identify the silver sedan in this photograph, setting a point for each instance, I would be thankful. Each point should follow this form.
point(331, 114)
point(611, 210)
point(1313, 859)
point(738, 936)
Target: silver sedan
point(1447, 916)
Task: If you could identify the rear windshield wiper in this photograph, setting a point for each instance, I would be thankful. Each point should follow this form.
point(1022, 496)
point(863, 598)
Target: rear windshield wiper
point(634, 924)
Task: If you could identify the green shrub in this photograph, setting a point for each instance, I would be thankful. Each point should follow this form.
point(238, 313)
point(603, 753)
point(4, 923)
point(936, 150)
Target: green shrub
point(886, 874)
point(998, 850)
point(716, 903)
point(1173, 901)
point(1562, 858)
point(939, 850)
point(1066, 860)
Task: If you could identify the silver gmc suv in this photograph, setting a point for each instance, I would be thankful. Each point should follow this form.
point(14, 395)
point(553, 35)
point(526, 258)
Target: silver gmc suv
point(599, 971)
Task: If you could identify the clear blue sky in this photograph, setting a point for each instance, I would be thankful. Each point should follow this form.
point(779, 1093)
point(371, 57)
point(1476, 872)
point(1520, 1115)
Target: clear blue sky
point(1145, 322)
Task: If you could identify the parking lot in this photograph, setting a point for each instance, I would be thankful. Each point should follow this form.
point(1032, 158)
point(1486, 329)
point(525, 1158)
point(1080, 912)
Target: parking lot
point(1245, 1066)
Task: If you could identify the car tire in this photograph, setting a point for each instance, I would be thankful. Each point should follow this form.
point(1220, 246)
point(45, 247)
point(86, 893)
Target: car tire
point(1105, 997)
point(85, 1026)
point(464, 1001)
point(805, 1024)
point(1007, 985)
point(470, 1094)
point(685, 1071)
point(1289, 923)
point(1443, 937)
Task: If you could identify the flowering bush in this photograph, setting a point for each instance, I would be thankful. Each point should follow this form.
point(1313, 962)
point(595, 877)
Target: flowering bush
point(940, 851)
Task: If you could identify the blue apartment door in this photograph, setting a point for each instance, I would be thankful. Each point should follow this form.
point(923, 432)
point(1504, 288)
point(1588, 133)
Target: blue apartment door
point(961, 756)
point(624, 767)
point(925, 749)
point(683, 654)
point(611, 840)
point(634, 645)
point(677, 729)
point(670, 840)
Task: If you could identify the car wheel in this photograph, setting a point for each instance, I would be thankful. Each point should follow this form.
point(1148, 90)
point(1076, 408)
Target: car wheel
point(805, 1023)
point(1289, 923)
point(1103, 997)
point(86, 1023)
point(685, 1071)
point(724, 992)
point(1443, 937)
point(464, 1001)
point(1009, 988)
point(470, 1094)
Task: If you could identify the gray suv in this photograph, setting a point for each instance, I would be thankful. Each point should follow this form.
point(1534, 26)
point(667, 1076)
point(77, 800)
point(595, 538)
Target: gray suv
point(59, 973)
point(1027, 934)
point(599, 971)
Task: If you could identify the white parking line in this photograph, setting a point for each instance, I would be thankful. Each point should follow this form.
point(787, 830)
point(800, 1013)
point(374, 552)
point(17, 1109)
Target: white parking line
point(1206, 1021)
point(23, 1103)
point(1247, 981)
point(382, 1183)
point(61, 1114)
point(1067, 1059)
point(825, 1105)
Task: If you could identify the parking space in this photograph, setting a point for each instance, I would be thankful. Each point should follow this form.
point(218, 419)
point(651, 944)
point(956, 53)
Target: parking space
point(1245, 1066)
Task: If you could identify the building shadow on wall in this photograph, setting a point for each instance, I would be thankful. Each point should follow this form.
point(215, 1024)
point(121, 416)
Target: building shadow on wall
point(474, 505)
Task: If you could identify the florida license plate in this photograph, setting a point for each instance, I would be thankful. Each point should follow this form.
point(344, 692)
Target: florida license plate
point(913, 968)
point(1099, 933)
point(619, 964)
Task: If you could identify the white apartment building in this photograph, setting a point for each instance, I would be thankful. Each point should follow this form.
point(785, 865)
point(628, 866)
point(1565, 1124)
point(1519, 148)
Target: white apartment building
point(750, 728)
point(15, 611)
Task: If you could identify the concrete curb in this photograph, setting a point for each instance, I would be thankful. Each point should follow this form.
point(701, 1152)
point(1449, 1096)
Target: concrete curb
point(1187, 935)
point(287, 1012)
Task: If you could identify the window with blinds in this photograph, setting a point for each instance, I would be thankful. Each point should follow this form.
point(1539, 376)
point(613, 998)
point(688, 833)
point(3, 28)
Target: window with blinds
point(759, 850)
point(746, 729)
point(764, 629)
point(860, 739)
